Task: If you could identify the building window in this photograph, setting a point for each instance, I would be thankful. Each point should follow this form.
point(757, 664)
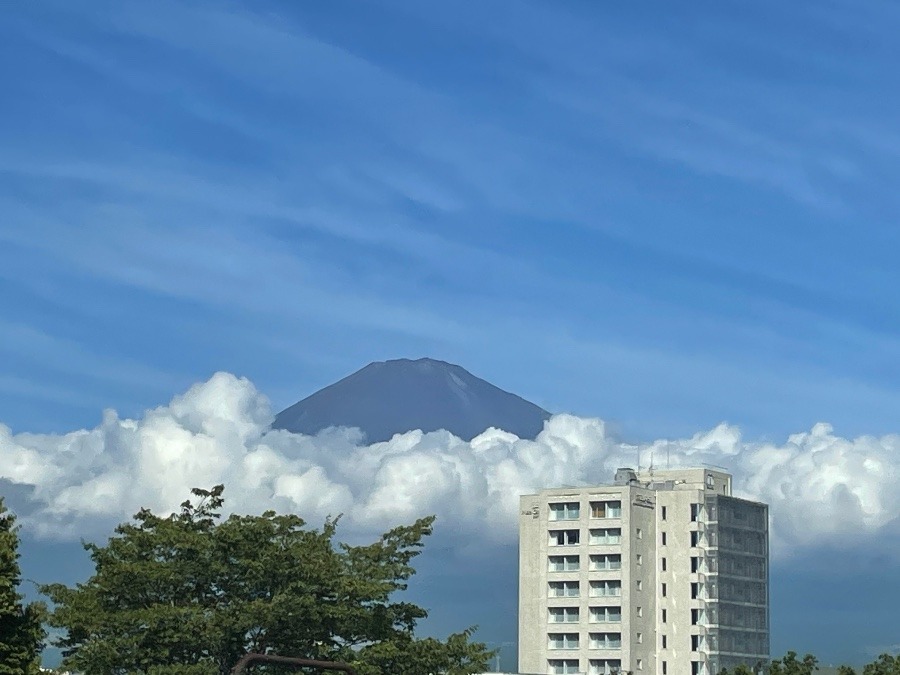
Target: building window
point(606, 614)
point(664, 615)
point(639, 533)
point(695, 643)
point(610, 509)
point(564, 589)
point(664, 669)
point(695, 512)
point(609, 561)
point(695, 538)
point(695, 617)
point(663, 562)
point(639, 637)
point(564, 537)
point(640, 664)
point(695, 564)
point(640, 559)
point(695, 590)
point(606, 536)
point(606, 640)
point(606, 589)
point(564, 511)
point(639, 611)
point(605, 666)
point(563, 641)
point(664, 642)
point(564, 563)
point(639, 584)
point(663, 513)
point(664, 590)
point(663, 538)
point(695, 668)
point(563, 614)
point(563, 666)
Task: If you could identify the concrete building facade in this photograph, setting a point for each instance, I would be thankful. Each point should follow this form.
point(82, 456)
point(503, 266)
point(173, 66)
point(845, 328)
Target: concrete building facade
point(663, 572)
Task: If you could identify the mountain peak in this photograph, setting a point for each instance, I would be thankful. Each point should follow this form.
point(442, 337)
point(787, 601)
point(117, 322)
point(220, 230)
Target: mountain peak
point(390, 397)
point(424, 362)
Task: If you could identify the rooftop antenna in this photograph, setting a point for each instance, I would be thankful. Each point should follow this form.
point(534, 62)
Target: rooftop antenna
point(639, 458)
point(651, 462)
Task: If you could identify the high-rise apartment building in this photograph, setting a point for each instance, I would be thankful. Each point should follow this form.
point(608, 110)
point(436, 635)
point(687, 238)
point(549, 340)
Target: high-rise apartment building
point(663, 572)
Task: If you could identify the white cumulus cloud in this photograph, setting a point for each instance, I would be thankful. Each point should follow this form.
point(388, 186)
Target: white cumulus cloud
point(823, 489)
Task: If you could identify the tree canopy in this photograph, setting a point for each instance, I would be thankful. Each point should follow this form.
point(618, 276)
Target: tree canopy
point(886, 664)
point(191, 593)
point(786, 665)
point(791, 665)
point(739, 670)
point(21, 630)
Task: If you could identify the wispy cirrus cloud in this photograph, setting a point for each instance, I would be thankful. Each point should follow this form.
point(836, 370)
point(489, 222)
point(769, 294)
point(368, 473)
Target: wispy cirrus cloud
point(278, 174)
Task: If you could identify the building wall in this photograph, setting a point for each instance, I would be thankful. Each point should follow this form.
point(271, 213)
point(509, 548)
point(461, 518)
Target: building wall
point(532, 579)
point(677, 553)
point(642, 634)
point(739, 552)
point(535, 576)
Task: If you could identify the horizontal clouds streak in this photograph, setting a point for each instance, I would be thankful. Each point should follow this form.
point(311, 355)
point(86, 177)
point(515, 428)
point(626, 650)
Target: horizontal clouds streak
point(823, 489)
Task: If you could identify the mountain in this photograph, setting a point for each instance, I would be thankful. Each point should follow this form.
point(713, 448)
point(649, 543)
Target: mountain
point(390, 397)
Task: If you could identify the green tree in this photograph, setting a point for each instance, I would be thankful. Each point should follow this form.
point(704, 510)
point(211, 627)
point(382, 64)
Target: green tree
point(886, 664)
point(21, 628)
point(189, 594)
point(789, 665)
point(739, 670)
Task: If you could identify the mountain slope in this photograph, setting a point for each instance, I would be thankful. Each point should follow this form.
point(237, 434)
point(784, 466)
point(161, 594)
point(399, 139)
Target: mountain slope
point(390, 397)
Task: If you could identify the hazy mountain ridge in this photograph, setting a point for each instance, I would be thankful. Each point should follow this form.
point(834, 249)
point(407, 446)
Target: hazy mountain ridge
point(391, 397)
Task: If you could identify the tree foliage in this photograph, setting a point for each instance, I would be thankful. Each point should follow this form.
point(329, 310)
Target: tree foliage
point(790, 665)
point(886, 664)
point(786, 665)
point(189, 594)
point(21, 629)
point(739, 670)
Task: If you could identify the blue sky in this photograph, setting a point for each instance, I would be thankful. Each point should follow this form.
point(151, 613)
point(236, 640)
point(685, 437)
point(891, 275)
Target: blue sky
point(665, 215)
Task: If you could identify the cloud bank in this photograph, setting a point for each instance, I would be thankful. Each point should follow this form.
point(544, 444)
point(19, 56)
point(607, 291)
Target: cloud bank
point(823, 489)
